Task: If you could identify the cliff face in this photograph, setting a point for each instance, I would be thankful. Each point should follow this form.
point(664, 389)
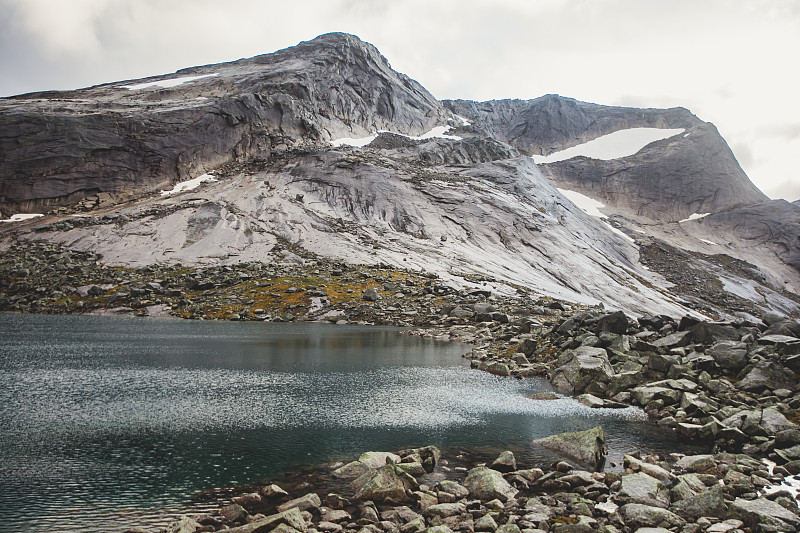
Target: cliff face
point(467, 205)
point(58, 147)
point(551, 123)
point(667, 181)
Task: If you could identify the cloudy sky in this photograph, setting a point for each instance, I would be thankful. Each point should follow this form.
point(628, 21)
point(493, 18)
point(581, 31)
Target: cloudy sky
point(733, 63)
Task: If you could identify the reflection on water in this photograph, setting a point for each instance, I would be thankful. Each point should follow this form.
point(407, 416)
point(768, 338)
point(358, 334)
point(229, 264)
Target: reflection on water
point(113, 422)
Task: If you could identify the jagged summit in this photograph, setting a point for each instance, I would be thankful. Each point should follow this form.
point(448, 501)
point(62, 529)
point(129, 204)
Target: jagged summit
point(297, 164)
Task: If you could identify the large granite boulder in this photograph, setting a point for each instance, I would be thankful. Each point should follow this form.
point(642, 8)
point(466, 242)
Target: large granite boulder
point(644, 489)
point(730, 355)
point(637, 515)
point(587, 447)
point(487, 484)
point(385, 484)
point(761, 511)
point(707, 503)
point(767, 375)
point(581, 368)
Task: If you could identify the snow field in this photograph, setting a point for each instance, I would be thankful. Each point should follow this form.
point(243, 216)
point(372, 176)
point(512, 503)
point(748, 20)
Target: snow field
point(166, 84)
point(188, 185)
point(439, 132)
point(22, 216)
point(622, 143)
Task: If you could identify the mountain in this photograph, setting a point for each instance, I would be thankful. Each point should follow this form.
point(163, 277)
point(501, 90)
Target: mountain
point(323, 153)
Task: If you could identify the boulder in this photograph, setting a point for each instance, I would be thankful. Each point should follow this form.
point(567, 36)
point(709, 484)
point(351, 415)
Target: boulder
point(486, 484)
point(578, 369)
point(616, 322)
point(290, 521)
point(370, 295)
point(588, 447)
point(761, 511)
point(644, 489)
point(303, 503)
point(386, 484)
point(696, 463)
point(350, 470)
point(378, 459)
point(234, 513)
point(637, 515)
point(444, 510)
point(707, 503)
point(453, 487)
point(767, 376)
point(186, 524)
point(674, 340)
point(729, 355)
point(647, 393)
point(505, 462)
point(711, 332)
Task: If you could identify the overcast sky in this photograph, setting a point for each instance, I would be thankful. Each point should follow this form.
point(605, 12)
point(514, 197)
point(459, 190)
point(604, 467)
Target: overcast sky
point(731, 62)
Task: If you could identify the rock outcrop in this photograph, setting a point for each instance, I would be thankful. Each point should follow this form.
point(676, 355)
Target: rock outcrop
point(59, 147)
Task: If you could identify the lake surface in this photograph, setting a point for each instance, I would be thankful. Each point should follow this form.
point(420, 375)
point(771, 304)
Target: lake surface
point(108, 423)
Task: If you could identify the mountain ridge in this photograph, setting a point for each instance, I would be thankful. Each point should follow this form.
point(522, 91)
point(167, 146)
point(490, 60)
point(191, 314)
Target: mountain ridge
point(470, 202)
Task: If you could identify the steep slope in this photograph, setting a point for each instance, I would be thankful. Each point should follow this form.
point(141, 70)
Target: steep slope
point(131, 138)
point(499, 219)
point(666, 181)
point(686, 190)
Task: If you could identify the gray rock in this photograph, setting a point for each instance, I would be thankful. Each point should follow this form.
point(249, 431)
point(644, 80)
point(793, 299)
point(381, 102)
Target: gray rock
point(636, 515)
point(387, 483)
point(587, 446)
point(186, 524)
point(444, 510)
point(707, 503)
point(378, 459)
point(644, 489)
point(485, 523)
point(505, 462)
point(303, 503)
point(453, 487)
point(351, 470)
point(578, 369)
point(729, 355)
point(762, 511)
point(767, 375)
point(487, 484)
point(370, 295)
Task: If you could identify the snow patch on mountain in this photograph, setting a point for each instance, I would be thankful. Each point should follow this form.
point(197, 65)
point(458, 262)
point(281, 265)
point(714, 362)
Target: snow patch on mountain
point(188, 185)
point(439, 132)
point(22, 216)
point(166, 84)
point(622, 143)
point(694, 216)
point(592, 208)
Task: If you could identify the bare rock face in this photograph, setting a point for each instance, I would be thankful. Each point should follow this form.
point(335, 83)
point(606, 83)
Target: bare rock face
point(775, 223)
point(668, 180)
point(58, 147)
point(551, 123)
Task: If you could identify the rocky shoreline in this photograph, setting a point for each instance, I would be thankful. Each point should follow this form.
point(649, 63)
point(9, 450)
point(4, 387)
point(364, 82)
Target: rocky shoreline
point(732, 383)
point(415, 490)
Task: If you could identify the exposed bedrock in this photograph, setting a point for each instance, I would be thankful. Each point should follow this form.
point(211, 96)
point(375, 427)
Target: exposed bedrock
point(107, 138)
point(667, 180)
point(551, 123)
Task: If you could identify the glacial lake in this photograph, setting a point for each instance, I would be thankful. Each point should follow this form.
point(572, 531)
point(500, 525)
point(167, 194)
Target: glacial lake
point(108, 423)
